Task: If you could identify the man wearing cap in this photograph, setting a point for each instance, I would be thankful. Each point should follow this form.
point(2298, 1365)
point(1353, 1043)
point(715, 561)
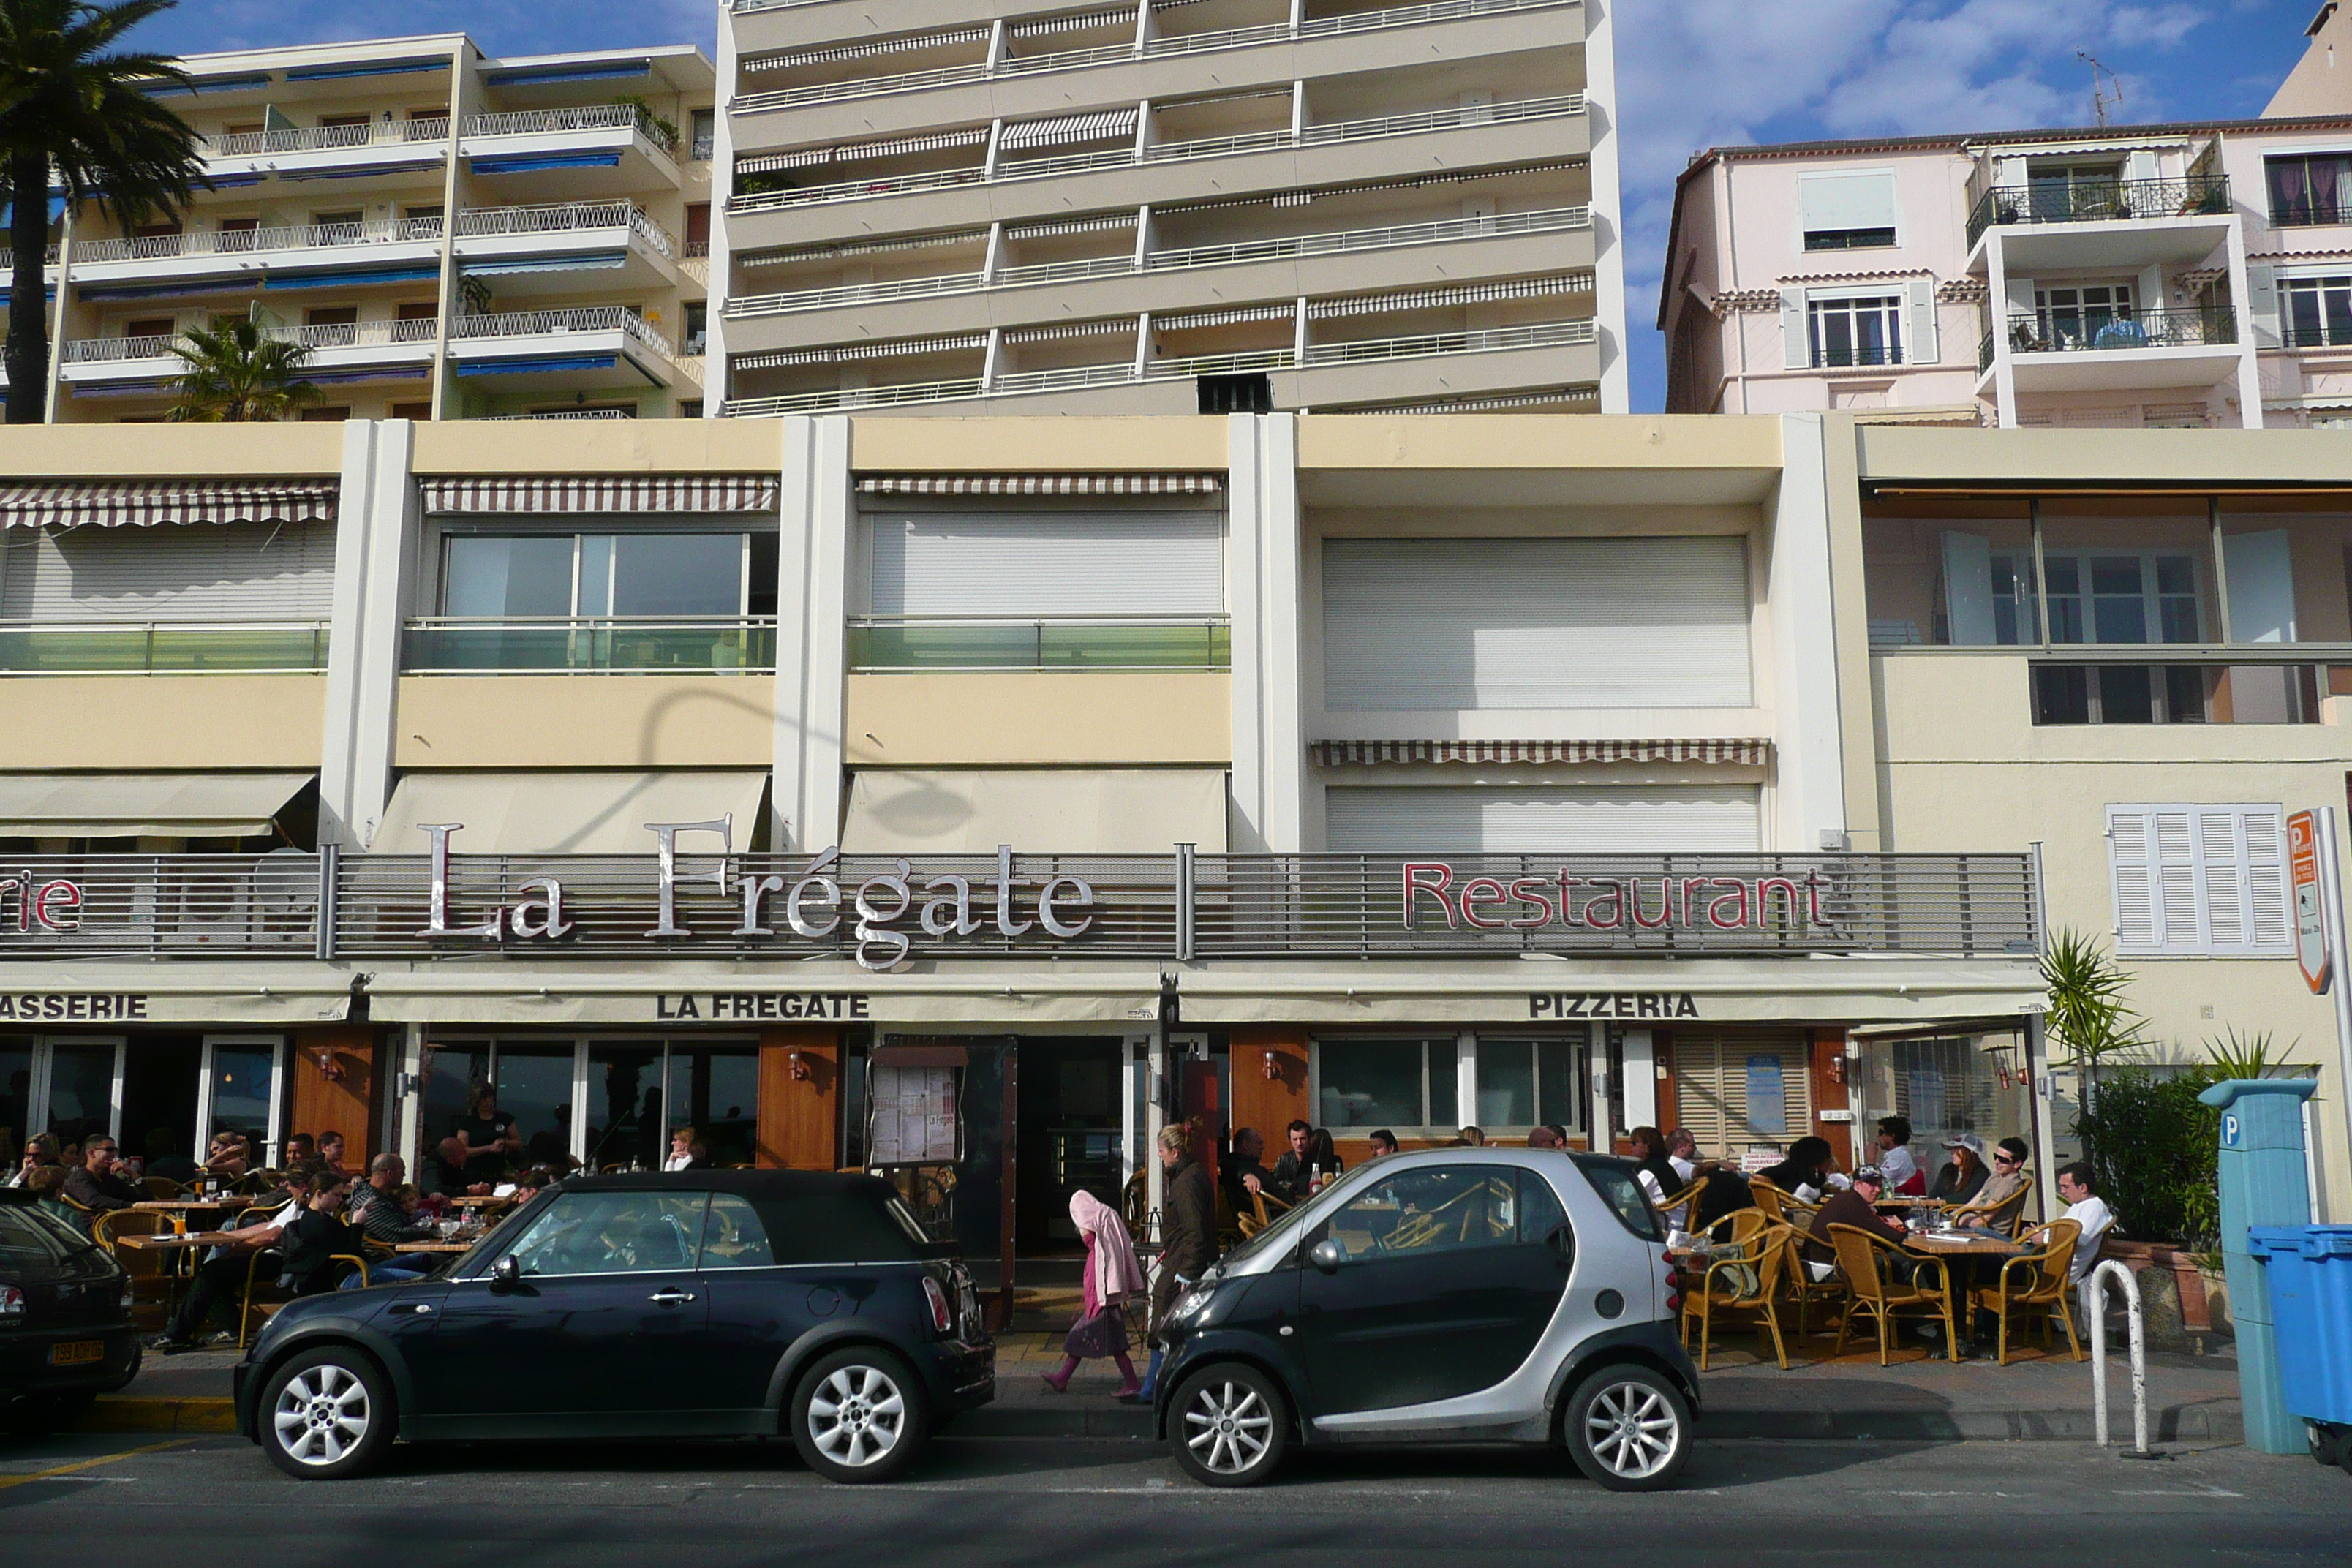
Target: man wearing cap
point(1960, 1180)
point(1849, 1205)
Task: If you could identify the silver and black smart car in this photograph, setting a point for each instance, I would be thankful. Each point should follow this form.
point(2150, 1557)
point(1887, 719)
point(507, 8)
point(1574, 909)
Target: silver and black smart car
point(1451, 1295)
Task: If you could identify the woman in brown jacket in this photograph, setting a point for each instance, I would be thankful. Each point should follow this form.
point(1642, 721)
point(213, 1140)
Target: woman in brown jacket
point(1188, 1231)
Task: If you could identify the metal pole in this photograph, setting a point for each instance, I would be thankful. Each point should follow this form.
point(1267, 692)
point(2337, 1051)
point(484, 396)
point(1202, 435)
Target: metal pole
point(327, 855)
point(1186, 933)
point(1009, 1162)
point(2339, 986)
point(2094, 1300)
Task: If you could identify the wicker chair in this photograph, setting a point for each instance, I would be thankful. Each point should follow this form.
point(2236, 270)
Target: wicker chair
point(1750, 1282)
point(1803, 1289)
point(1877, 1297)
point(1680, 1204)
point(1739, 1226)
point(150, 1273)
point(256, 1302)
point(2037, 1280)
point(1263, 1211)
point(1768, 1197)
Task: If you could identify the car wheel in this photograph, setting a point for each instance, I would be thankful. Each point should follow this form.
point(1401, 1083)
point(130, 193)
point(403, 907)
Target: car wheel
point(860, 1414)
point(1629, 1428)
point(1231, 1425)
point(327, 1415)
point(131, 1373)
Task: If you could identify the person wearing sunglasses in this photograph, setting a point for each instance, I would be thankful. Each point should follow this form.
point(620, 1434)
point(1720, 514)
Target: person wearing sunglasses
point(1997, 1203)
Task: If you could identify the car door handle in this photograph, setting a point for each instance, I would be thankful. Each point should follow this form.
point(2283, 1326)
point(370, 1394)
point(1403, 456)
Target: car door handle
point(671, 1297)
point(411, 1308)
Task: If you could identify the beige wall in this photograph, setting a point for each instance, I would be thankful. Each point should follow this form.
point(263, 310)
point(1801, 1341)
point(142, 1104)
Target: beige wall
point(584, 721)
point(145, 723)
point(171, 451)
point(600, 447)
point(1038, 718)
point(941, 445)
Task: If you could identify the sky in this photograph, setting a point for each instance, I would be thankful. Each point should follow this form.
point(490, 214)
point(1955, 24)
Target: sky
point(1691, 73)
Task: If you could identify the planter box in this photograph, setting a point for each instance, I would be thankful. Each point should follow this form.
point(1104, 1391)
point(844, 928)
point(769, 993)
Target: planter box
point(2188, 1280)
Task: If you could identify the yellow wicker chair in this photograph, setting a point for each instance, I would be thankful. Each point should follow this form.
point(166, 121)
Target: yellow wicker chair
point(256, 1303)
point(1748, 1282)
point(1803, 1289)
point(2037, 1280)
point(1878, 1298)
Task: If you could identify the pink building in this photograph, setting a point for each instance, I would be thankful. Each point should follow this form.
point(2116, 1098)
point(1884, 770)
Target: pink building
point(2138, 276)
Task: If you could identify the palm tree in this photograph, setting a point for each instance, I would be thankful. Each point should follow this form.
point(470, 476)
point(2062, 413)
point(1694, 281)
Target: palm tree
point(236, 372)
point(74, 113)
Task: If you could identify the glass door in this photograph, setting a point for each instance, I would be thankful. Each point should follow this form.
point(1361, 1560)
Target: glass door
point(243, 1091)
point(78, 1086)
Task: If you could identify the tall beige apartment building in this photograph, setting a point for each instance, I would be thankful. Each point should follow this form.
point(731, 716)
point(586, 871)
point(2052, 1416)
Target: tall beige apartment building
point(1167, 206)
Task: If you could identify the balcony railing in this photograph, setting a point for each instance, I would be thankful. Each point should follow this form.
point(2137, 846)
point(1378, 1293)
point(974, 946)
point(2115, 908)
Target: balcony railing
point(2100, 200)
point(1856, 356)
point(2055, 332)
point(100, 350)
point(1563, 104)
point(248, 241)
point(1287, 247)
point(164, 648)
point(565, 218)
point(321, 138)
point(1126, 54)
point(2317, 335)
point(558, 121)
point(586, 318)
point(338, 336)
point(977, 642)
point(568, 414)
point(2119, 687)
point(590, 645)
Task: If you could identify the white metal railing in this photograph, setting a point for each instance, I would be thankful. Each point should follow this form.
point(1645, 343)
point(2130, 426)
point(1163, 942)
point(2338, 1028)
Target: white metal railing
point(585, 319)
point(1571, 103)
point(561, 217)
point(1279, 249)
point(1127, 54)
point(99, 350)
point(1544, 334)
point(586, 117)
point(319, 138)
point(337, 335)
point(248, 241)
point(568, 414)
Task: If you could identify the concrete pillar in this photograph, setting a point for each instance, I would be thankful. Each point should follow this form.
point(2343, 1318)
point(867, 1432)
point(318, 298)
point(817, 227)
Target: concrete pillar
point(375, 521)
point(811, 583)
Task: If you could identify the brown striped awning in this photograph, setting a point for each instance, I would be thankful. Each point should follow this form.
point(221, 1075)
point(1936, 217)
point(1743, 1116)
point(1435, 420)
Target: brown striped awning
point(1752, 753)
point(603, 493)
point(1040, 484)
point(143, 503)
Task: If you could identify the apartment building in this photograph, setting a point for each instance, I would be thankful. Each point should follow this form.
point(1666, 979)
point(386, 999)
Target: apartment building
point(2152, 275)
point(451, 235)
point(1169, 206)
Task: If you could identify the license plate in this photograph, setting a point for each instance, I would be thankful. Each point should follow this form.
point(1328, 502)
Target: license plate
point(76, 1353)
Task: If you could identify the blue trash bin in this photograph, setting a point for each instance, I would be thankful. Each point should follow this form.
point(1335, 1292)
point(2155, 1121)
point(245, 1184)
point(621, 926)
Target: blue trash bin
point(2310, 1268)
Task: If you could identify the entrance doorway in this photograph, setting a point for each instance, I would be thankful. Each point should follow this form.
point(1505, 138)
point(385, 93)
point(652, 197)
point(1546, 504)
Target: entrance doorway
point(1069, 1137)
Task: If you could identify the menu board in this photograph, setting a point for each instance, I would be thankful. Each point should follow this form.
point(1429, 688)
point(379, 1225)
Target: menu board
point(914, 1116)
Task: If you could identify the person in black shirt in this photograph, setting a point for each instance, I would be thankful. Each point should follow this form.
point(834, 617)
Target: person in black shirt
point(313, 1242)
point(1959, 1182)
point(97, 1182)
point(477, 1149)
point(1241, 1173)
point(1293, 1171)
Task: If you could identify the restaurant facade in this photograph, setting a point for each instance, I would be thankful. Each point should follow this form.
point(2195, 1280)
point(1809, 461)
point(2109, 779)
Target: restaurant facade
point(971, 798)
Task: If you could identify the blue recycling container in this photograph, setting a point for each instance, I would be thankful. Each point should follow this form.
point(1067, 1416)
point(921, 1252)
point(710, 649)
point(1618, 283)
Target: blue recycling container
point(2310, 1268)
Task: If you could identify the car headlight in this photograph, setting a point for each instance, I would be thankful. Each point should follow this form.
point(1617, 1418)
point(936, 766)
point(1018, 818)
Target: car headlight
point(1189, 1303)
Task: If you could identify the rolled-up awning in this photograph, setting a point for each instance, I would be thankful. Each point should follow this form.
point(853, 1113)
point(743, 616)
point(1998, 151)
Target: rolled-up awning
point(152, 806)
point(603, 492)
point(1742, 752)
point(1100, 811)
point(143, 503)
point(1067, 130)
point(574, 813)
point(1040, 484)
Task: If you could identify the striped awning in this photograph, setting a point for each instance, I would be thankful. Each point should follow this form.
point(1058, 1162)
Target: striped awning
point(1040, 484)
point(852, 151)
point(1066, 130)
point(145, 503)
point(896, 45)
point(863, 248)
point(1076, 21)
point(894, 348)
point(1060, 330)
point(603, 493)
point(1284, 312)
point(1071, 226)
point(1463, 294)
point(1753, 753)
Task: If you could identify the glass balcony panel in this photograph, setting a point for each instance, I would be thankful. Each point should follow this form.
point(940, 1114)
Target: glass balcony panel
point(2289, 563)
point(1949, 571)
point(2125, 570)
point(1039, 644)
point(162, 649)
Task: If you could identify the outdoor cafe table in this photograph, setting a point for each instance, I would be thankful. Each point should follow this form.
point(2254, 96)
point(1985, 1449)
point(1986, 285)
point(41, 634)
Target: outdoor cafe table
point(180, 1208)
point(447, 1247)
point(1960, 1255)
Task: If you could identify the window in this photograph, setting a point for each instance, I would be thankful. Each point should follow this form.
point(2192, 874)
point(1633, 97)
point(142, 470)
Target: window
point(2310, 189)
point(1398, 1084)
point(1443, 1208)
point(2317, 311)
point(1527, 1083)
point(1846, 212)
point(1867, 331)
point(657, 575)
point(411, 410)
point(705, 137)
point(613, 1232)
point(1048, 564)
point(327, 414)
point(1623, 1194)
point(340, 227)
point(732, 1236)
point(697, 326)
point(2078, 315)
point(1626, 819)
point(697, 229)
point(2201, 880)
point(2068, 193)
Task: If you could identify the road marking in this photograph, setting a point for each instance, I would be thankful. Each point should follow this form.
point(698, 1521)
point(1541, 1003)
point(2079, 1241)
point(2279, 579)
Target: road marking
point(2184, 1491)
point(7, 1481)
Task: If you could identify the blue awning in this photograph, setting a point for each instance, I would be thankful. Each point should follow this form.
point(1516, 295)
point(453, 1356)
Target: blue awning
point(224, 182)
point(598, 261)
point(371, 172)
point(531, 78)
point(387, 68)
point(551, 161)
point(535, 364)
point(50, 293)
point(346, 378)
point(346, 280)
point(187, 290)
point(216, 84)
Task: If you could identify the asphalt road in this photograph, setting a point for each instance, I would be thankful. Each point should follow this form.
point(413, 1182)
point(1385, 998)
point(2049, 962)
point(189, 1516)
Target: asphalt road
point(977, 1502)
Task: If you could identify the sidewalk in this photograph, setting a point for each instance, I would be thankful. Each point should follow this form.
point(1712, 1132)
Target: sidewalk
point(1920, 1398)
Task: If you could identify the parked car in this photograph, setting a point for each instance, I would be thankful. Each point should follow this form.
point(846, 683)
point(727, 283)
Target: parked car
point(699, 1304)
point(1450, 1295)
point(66, 1333)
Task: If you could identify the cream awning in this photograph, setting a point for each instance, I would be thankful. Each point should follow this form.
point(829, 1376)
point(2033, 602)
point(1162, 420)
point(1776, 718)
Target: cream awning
point(1040, 484)
point(743, 998)
point(68, 991)
point(580, 813)
point(697, 493)
point(1044, 811)
point(130, 805)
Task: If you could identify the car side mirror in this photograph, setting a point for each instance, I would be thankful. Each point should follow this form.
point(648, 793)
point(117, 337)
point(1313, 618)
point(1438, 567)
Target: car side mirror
point(1327, 1256)
point(505, 1274)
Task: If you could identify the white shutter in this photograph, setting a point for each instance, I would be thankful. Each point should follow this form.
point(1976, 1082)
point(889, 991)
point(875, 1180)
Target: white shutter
point(1796, 337)
point(188, 572)
point(1436, 625)
point(2139, 164)
point(2261, 587)
point(1967, 589)
point(2221, 875)
point(2173, 876)
point(1048, 564)
point(2201, 879)
point(1926, 346)
point(2130, 864)
point(2262, 305)
point(2269, 896)
point(1710, 1080)
point(1832, 203)
point(1626, 819)
point(2020, 300)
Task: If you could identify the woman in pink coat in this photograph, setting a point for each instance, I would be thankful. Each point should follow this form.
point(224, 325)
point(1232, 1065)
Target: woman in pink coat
point(1111, 1278)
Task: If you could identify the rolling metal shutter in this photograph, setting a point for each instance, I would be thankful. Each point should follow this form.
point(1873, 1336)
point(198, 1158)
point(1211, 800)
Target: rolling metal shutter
point(1048, 564)
point(1453, 624)
point(214, 572)
point(1644, 819)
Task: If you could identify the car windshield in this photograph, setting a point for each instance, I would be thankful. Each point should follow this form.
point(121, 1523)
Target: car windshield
point(1614, 1181)
point(30, 1238)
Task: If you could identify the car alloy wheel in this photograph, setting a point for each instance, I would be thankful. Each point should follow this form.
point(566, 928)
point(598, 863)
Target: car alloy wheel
point(1230, 1426)
point(856, 1417)
point(1629, 1428)
point(323, 1414)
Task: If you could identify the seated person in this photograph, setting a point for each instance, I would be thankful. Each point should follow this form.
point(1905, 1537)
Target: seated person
point(375, 1208)
point(331, 1153)
point(1960, 1180)
point(1849, 1205)
point(1241, 1176)
point(47, 1185)
point(2003, 1194)
point(165, 1159)
point(312, 1240)
point(1725, 1194)
point(1292, 1172)
point(1805, 1174)
point(2087, 1209)
point(686, 1151)
point(1904, 1177)
point(220, 1276)
point(300, 1147)
point(40, 1149)
point(1657, 1174)
point(97, 1182)
point(1383, 1142)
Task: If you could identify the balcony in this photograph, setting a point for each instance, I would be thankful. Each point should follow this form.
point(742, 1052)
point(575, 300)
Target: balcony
point(1061, 643)
point(328, 152)
point(573, 350)
point(350, 346)
point(2119, 687)
point(408, 245)
point(604, 149)
point(164, 648)
point(2116, 201)
point(2090, 352)
point(590, 645)
point(566, 246)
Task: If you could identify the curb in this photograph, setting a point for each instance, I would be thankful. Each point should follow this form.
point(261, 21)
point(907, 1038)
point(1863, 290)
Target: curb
point(125, 1413)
